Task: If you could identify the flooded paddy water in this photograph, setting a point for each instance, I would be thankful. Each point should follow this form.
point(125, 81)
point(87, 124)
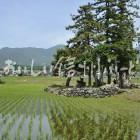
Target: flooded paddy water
point(24, 127)
point(24, 118)
point(42, 119)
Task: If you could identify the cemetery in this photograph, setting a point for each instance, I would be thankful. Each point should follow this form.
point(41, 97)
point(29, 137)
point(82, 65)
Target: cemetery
point(11, 68)
point(66, 67)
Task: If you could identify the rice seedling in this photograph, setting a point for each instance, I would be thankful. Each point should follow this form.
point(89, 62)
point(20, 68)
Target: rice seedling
point(32, 114)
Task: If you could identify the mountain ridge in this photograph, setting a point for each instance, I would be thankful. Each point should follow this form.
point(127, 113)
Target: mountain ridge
point(23, 56)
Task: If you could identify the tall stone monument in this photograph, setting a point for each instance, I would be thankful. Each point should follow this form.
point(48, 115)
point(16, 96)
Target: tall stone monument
point(99, 68)
point(84, 68)
point(32, 67)
point(44, 70)
point(25, 70)
point(60, 70)
point(51, 69)
point(19, 70)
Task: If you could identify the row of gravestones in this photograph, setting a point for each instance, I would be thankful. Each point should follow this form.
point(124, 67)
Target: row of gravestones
point(120, 76)
point(11, 68)
point(113, 69)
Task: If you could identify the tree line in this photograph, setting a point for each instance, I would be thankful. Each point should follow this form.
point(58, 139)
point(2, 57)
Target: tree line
point(104, 30)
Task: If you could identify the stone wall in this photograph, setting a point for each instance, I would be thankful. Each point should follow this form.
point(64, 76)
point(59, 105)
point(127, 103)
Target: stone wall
point(104, 91)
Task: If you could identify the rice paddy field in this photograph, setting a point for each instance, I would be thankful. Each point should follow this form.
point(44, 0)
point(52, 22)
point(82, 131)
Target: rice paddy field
point(29, 113)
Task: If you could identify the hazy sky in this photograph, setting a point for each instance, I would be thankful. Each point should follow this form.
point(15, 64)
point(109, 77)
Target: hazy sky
point(37, 23)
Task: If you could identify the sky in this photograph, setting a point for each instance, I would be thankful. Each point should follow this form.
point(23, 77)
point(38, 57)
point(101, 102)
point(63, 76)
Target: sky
point(37, 23)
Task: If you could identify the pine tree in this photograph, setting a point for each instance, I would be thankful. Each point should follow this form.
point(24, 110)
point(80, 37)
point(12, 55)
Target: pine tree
point(104, 29)
point(124, 35)
point(106, 14)
point(117, 19)
point(85, 29)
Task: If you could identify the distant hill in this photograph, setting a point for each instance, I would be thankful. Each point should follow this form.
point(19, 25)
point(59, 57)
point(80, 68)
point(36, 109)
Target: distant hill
point(23, 56)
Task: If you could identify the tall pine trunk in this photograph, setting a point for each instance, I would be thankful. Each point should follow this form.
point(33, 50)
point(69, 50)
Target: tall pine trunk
point(108, 76)
point(68, 81)
point(121, 82)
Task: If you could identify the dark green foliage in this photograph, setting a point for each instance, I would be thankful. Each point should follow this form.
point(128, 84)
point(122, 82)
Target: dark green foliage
point(86, 35)
point(104, 29)
point(119, 33)
point(61, 52)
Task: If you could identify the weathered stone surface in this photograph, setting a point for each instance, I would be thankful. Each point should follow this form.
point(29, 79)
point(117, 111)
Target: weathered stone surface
point(104, 91)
